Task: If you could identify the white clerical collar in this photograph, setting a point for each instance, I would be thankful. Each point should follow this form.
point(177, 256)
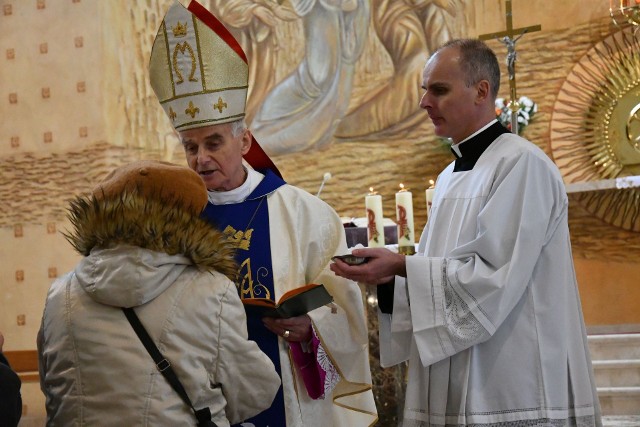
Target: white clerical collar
point(239, 194)
point(456, 147)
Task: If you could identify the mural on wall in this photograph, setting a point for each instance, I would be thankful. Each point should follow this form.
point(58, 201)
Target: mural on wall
point(303, 110)
point(314, 105)
point(408, 31)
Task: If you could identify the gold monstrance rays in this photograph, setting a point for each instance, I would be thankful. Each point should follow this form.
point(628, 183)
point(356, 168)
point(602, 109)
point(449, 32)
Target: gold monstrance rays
point(595, 126)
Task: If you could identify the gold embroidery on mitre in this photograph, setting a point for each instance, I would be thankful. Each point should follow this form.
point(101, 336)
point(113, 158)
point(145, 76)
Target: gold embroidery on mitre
point(182, 47)
point(192, 110)
point(240, 239)
point(172, 114)
point(220, 105)
point(190, 59)
point(179, 30)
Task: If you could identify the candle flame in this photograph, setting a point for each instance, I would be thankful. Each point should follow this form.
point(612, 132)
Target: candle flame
point(431, 183)
point(371, 192)
point(401, 186)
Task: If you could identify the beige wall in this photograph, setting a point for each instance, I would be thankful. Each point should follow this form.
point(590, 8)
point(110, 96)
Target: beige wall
point(75, 102)
point(609, 290)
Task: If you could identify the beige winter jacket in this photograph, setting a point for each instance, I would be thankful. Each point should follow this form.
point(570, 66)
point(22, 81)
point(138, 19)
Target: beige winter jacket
point(94, 369)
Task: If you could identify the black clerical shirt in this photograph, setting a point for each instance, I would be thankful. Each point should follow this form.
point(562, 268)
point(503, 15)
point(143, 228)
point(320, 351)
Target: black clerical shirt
point(473, 148)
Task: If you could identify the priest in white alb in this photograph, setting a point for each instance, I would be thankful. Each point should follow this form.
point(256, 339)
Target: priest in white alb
point(487, 313)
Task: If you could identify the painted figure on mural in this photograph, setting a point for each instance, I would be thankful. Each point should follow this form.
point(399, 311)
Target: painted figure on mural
point(253, 23)
point(303, 110)
point(441, 20)
point(401, 28)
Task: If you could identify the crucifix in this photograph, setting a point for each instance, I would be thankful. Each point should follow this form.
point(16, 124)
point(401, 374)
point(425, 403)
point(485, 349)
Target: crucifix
point(507, 38)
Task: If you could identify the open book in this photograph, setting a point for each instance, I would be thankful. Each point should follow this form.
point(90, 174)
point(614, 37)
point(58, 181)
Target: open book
point(296, 302)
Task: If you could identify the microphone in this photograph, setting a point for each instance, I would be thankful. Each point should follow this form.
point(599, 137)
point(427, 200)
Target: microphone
point(326, 177)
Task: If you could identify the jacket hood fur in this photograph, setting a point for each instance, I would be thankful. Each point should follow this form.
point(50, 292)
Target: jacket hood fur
point(151, 224)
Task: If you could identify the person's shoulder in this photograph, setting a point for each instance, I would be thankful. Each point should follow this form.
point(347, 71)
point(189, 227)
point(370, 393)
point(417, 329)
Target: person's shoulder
point(206, 288)
point(510, 145)
point(305, 204)
point(58, 286)
point(514, 149)
point(303, 196)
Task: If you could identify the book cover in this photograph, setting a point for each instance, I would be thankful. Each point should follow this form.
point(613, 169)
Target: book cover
point(296, 302)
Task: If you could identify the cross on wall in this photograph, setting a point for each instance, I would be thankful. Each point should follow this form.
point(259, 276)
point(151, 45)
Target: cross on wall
point(507, 38)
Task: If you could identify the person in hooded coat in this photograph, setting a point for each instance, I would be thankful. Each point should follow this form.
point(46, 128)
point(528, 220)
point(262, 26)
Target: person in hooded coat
point(145, 247)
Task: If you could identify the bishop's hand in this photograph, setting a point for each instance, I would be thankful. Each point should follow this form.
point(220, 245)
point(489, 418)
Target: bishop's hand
point(293, 329)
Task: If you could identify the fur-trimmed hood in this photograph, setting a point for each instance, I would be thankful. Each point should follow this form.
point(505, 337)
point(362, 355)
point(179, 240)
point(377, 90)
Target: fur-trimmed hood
point(136, 247)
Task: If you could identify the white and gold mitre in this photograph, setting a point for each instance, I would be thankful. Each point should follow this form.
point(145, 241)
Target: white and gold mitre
point(197, 69)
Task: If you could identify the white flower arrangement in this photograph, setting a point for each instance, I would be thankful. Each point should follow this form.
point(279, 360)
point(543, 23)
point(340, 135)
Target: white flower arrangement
point(527, 110)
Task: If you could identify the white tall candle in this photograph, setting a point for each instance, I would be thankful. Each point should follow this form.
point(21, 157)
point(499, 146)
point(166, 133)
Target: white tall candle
point(404, 215)
point(375, 226)
point(429, 196)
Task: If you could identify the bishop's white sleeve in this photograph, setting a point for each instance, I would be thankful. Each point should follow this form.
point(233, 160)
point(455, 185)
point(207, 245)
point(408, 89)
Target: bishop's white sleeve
point(343, 329)
point(343, 334)
point(460, 300)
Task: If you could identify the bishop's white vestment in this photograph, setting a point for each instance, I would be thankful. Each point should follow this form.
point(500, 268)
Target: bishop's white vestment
point(489, 316)
point(304, 233)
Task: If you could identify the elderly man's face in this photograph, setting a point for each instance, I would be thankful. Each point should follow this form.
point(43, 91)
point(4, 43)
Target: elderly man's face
point(216, 155)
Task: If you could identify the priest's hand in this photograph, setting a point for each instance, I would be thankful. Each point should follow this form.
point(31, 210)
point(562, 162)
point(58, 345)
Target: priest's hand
point(292, 329)
point(381, 267)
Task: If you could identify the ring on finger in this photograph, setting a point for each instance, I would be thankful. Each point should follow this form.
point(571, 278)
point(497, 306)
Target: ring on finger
point(286, 334)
